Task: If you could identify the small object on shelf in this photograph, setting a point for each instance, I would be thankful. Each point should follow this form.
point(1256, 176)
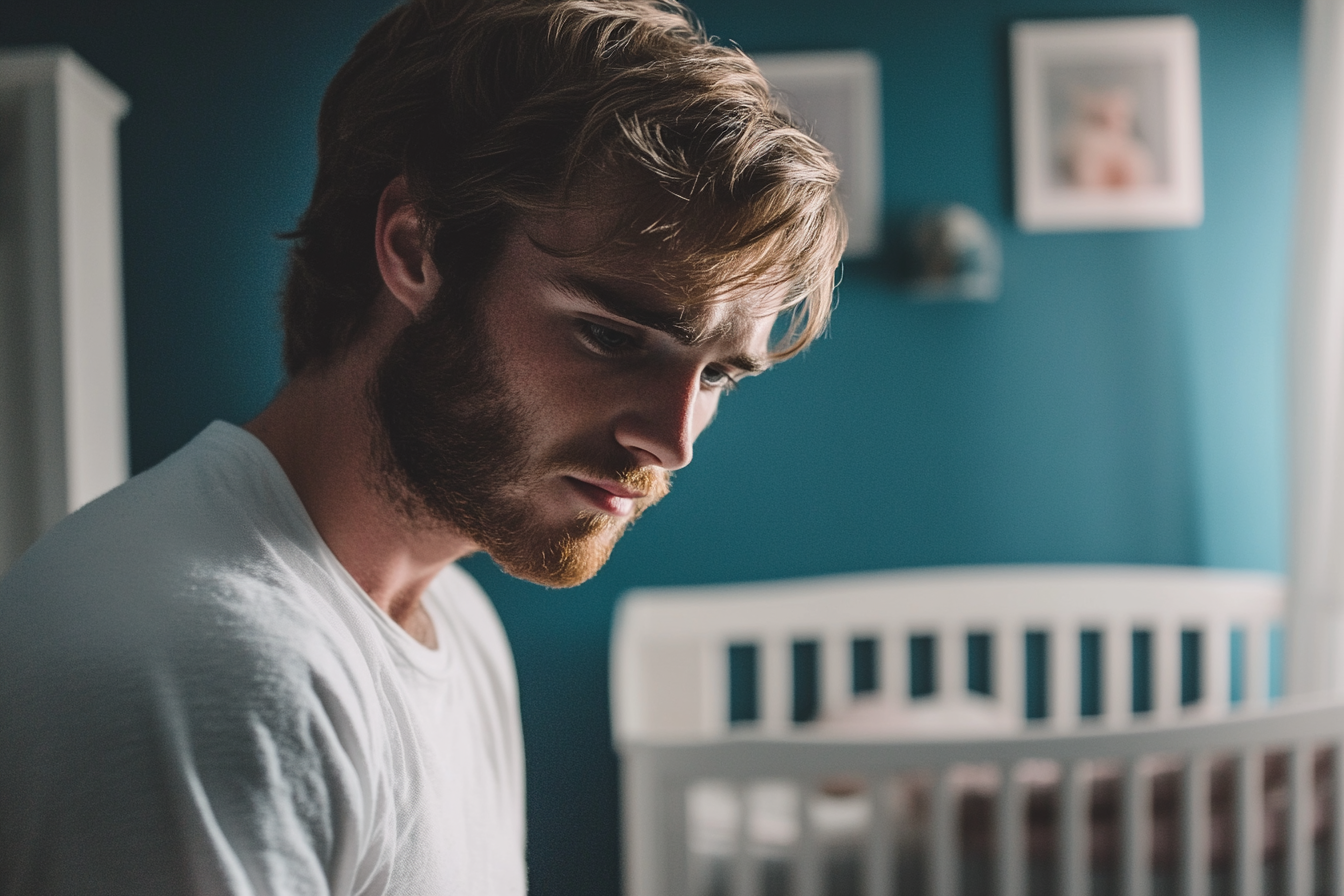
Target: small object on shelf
point(951, 253)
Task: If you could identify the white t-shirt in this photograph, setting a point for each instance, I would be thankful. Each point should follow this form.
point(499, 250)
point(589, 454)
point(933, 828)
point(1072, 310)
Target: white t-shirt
point(195, 697)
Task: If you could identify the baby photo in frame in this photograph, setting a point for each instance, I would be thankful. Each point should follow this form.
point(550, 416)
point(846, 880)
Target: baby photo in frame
point(1106, 124)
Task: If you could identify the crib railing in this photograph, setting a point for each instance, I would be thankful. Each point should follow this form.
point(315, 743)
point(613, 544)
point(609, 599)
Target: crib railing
point(927, 651)
point(1242, 805)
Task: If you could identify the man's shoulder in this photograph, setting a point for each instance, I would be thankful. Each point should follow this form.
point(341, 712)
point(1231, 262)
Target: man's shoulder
point(191, 546)
point(175, 657)
point(212, 497)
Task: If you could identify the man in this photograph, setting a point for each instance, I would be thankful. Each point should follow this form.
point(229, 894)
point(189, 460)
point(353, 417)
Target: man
point(545, 237)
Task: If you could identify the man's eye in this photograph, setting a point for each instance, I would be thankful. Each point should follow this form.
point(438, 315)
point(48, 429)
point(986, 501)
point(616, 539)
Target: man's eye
point(605, 339)
point(717, 379)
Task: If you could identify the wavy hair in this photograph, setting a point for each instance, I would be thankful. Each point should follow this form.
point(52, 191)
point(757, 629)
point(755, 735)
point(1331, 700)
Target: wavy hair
point(496, 109)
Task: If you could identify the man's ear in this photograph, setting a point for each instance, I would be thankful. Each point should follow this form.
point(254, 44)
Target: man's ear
point(407, 268)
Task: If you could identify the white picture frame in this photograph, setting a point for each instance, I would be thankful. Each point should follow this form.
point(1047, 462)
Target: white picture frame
point(837, 96)
point(1106, 124)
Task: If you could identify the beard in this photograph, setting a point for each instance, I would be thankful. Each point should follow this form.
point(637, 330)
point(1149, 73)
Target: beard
point(455, 450)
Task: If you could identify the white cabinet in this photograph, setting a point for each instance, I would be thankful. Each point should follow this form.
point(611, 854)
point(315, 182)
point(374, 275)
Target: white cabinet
point(63, 434)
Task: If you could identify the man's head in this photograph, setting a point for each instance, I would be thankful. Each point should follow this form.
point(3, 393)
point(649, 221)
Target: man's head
point(592, 168)
point(542, 410)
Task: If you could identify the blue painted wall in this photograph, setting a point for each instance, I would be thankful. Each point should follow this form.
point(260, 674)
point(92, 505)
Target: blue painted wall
point(1120, 402)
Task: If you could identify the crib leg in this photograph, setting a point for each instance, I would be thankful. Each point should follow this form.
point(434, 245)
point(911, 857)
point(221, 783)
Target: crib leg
point(1195, 826)
point(1250, 822)
point(1075, 829)
point(1136, 808)
point(1300, 812)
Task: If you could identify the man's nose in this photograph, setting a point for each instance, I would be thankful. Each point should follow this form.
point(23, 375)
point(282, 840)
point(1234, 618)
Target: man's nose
point(663, 420)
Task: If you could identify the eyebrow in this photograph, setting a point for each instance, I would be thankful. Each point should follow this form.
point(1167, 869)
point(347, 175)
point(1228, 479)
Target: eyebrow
point(671, 321)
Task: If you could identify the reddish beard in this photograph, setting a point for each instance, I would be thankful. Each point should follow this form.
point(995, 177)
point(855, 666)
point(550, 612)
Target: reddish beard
point(456, 451)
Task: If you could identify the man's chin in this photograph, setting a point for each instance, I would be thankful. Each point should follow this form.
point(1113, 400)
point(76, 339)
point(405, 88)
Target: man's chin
point(561, 561)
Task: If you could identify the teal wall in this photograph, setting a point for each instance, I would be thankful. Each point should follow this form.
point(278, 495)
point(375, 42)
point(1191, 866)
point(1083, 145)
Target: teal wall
point(1121, 401)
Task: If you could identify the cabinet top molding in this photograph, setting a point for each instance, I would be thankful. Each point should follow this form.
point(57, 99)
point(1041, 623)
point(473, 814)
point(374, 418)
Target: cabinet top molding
point(31, 66)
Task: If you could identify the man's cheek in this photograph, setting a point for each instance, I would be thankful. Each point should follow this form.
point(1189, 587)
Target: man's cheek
point(706, 409)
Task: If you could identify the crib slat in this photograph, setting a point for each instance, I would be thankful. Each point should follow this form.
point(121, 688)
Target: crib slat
point(1116, 656)
point(1250, 822)
point(1166, 669)
point(809, 858)
point(1195, 825)
point(776, 698)
point(743, 872)
point(744, 877)
point(1217, 666)
point(675, 859)
point(643, 842)
point(879, 866)
point(1063, 676)
point(1337, 820)
point(1300, 811)
point(1074, 831)
point(1136, 808)
point(1009, 833)
point(943, 845)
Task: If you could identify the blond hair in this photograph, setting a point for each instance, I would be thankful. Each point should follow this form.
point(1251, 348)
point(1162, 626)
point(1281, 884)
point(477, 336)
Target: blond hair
point(495, 109)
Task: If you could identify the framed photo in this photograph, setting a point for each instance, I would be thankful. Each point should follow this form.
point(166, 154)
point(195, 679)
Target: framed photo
point(1106, 128)
point(837, 96)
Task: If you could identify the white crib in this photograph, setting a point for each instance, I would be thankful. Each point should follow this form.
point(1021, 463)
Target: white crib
point(1008, 730)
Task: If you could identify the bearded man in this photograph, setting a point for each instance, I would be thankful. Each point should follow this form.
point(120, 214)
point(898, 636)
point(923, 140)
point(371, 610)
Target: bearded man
point(545, 237)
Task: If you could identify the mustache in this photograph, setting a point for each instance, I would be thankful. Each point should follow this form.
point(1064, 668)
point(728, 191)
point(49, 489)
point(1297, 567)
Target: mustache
point(653, 482)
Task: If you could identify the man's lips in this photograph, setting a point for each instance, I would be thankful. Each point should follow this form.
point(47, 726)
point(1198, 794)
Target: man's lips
point(607, 495)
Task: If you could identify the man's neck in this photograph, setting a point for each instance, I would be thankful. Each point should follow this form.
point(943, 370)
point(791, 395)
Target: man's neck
point(320, 431)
